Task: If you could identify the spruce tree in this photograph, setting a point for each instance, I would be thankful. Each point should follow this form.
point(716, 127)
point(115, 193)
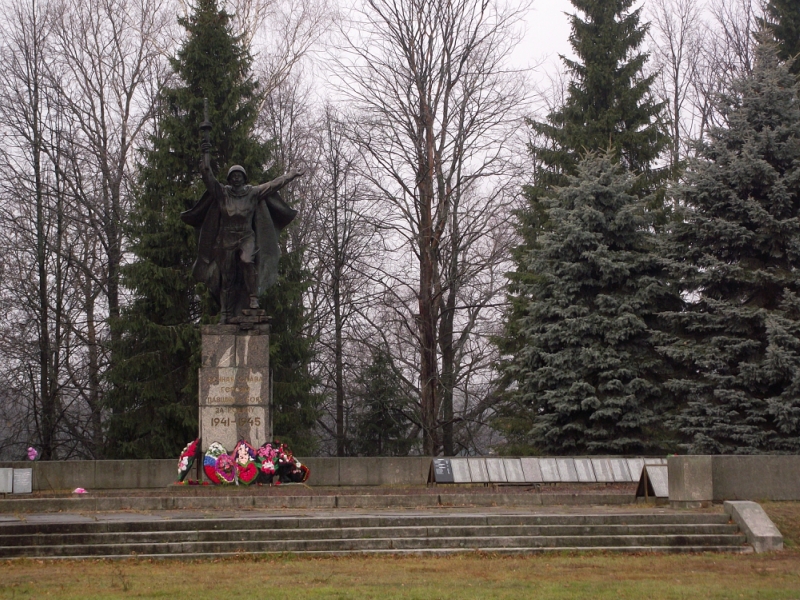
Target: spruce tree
point(153, 399)
point(585, 377)
point(295, 403)
point(608, 104)
point(383, 427)
point(782, 19)
point(739, 340)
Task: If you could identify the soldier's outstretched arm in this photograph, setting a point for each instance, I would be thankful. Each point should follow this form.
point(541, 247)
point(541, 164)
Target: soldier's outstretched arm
point(276, 184)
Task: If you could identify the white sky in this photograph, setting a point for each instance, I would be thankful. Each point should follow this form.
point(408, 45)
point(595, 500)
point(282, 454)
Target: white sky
point(547, 34)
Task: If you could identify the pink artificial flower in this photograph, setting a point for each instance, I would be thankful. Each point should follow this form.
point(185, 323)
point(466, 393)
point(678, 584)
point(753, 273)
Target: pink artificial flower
point(32, 453)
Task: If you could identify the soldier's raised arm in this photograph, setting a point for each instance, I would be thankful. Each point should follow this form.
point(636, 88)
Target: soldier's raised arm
point(205, 168)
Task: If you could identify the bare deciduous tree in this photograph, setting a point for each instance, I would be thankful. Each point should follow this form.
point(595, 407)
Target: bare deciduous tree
point(436, 103)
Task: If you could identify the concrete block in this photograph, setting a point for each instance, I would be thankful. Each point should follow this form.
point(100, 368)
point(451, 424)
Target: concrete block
point(403, 470)
point(324, 471)
point(760, 477)
point(133, 474)
point(65, 475)
point(690, 481)
point(759, 529)
point(360, 471)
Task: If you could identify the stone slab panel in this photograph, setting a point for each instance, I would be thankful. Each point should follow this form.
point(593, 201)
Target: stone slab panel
point(659, 479)
point(496, 470)
point(22, 481)
point(619, 468)
point(549, 469)
point(635, 466)
point(602, 470)
point(690, 480)
point(411, 470)
point(566, 470)
point(460, 470)
point(229, 424)
point(6, 480)
point(755, 524)
point(514, 471)
point(477, 470)
point(583, 466)
point(531, 469)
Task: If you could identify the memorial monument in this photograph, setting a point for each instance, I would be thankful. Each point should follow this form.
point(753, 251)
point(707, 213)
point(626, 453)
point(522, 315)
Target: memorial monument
point(237, 259)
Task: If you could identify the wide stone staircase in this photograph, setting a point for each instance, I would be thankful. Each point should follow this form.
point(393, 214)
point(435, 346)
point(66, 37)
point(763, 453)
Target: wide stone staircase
point(411, 532)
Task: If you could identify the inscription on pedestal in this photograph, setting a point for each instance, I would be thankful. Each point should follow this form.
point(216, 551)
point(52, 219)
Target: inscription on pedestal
point(234, 386)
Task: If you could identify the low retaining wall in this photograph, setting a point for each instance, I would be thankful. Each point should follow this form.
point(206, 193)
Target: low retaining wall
point(143, 474)
point(698, 480)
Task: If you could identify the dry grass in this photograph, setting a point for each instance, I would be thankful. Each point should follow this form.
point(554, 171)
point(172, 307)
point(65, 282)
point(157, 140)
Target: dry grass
point(466, 576)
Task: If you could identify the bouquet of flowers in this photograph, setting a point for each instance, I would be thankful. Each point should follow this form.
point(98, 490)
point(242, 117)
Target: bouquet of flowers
point(244, 456)
point(226, 469)
point(186, 459)
point(266, 457)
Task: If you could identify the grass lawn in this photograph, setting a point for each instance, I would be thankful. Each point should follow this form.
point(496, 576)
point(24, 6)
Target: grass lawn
point(557, 576)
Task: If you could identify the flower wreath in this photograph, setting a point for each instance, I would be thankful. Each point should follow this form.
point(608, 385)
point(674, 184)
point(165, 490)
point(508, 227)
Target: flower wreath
point(186, 459)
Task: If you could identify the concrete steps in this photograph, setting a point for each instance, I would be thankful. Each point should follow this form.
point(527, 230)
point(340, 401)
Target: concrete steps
point(414, 533)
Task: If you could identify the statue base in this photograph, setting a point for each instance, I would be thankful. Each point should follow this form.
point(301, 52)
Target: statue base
point(235, 382)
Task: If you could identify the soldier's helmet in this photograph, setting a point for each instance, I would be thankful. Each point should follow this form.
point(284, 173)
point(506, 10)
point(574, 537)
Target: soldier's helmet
point(236, 168)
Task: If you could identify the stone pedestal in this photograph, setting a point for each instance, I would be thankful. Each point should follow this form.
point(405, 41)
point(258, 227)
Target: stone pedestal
point(235, 386)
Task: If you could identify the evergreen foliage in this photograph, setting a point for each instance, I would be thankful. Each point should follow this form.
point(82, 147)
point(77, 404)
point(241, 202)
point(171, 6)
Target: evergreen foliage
point(383, 427)
point(585, 377)
point(153, 399)
point(295, 404)
point(783, 21)
point(740, 243)
point(608, 105)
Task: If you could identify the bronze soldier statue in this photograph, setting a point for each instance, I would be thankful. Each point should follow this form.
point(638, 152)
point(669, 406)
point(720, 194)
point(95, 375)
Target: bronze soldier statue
point(239, 226)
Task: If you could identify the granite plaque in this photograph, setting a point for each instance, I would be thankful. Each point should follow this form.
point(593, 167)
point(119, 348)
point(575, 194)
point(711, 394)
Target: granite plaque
point(549, 470)
point(22, 481)
point(496, 470)
point(602, 470)
point(566, 470)
point(635, 466)
point(477, 470)
point(530, 467)
point(460, 468)
point(619, 468)
point(658, 477)
point(442, 470)
point(234, 397)
point(583, 466)
point(514, 470)
point(6, 481)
